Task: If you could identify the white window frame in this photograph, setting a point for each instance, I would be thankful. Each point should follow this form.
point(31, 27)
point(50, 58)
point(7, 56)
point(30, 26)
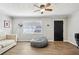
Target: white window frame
point(30, 30)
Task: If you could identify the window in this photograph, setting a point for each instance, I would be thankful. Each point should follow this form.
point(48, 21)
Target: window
point(32, 27)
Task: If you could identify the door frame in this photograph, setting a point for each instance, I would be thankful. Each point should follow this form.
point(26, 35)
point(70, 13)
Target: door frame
point(64, 29)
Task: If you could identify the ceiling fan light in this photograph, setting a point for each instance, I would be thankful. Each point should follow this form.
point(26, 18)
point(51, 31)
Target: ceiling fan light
point(42, 10)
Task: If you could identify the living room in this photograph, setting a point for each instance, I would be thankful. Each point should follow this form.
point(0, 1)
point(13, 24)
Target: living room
point(25, 22)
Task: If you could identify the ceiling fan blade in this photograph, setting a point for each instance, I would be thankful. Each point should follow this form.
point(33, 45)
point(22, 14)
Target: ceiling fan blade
point(36, 6)
point(36, 10)
point(48, 4)
point(48, 9)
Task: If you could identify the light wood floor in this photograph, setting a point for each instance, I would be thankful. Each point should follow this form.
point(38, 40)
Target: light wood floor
point(54, 48)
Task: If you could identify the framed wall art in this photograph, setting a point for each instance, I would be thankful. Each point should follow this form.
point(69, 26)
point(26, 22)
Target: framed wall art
point(6, 24)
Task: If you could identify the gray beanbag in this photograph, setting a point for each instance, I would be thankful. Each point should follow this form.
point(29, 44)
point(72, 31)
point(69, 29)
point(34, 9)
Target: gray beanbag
point(39, 42)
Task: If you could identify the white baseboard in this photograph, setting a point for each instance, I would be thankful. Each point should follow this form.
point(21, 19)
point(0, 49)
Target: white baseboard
point(72, 43)
point(65, 40)
point(29, 41)
point(50, 41)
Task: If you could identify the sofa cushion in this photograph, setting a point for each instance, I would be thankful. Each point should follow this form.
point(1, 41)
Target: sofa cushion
point(2, 37)
point(5, 43)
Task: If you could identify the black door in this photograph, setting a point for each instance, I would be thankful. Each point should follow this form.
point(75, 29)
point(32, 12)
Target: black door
point(58, 30)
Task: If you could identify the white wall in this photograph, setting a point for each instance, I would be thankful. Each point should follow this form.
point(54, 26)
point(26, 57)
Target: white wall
point(47, 31)
point(3, 30)
point(73, 27)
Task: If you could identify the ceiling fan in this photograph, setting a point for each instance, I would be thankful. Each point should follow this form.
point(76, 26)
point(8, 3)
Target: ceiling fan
point(44, 7)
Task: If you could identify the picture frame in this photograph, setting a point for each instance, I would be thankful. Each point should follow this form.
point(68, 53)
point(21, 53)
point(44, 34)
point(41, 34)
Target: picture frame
point(6, 24)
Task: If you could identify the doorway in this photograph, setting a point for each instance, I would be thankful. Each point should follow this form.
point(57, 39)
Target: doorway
point(58, 30)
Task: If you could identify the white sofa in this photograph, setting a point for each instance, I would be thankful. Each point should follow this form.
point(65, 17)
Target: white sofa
point(7, 42)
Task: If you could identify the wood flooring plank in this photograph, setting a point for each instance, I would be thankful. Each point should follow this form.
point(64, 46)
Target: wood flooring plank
point(54, 48)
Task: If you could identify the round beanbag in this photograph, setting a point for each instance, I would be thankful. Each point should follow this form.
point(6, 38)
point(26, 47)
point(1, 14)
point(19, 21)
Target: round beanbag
point(39, 42)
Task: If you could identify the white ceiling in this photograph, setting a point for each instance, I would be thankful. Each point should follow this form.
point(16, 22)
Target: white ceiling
point(26, 9)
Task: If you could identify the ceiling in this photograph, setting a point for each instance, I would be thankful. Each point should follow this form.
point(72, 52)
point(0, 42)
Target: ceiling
point(26, 9)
